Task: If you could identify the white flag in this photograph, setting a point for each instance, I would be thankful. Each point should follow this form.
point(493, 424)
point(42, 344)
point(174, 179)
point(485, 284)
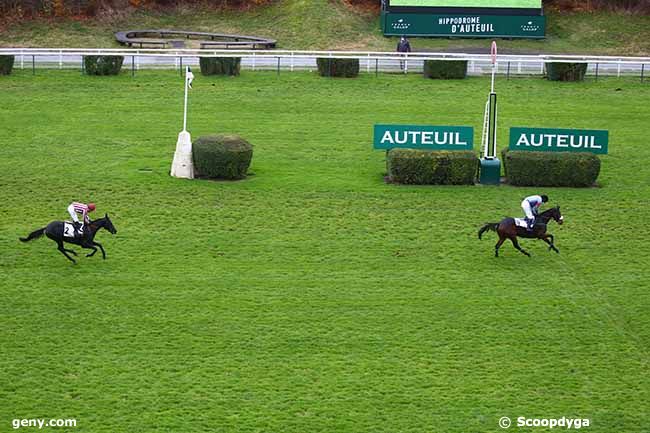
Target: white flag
point(189, 76)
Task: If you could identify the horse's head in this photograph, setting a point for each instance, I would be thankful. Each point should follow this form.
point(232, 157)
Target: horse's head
point(108, 224)
point(557, 216)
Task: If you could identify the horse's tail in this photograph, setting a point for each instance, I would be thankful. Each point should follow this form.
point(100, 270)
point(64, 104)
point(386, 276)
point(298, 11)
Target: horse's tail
point(34, 235)
point(487, 227)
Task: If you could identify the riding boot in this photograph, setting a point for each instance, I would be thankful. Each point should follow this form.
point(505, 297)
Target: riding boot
point(77, 226)
point(531, 225)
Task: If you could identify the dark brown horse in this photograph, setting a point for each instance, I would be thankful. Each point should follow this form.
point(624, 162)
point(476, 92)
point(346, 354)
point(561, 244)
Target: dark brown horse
point(55, 231)
point(507, 229)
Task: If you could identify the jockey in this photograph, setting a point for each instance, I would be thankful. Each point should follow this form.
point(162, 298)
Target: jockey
point(83, 209)
point(531, 205)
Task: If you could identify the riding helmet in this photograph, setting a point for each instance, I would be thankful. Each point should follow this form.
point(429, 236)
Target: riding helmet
point(91, 206)
point(544, 198)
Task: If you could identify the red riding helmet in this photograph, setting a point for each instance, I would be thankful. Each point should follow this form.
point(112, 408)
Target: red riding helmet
point(91, 206)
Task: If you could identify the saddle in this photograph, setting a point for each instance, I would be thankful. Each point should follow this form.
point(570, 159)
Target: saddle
point(521, 222)
point(69, 230)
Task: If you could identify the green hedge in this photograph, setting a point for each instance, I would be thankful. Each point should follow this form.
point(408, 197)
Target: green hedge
point(220, 65)
point(445, 69)
point(525, 168)
point(103, 65)
point(331, 67)
point(426, 167)
point(6, 64)
point(566, 71)
point(222, 156)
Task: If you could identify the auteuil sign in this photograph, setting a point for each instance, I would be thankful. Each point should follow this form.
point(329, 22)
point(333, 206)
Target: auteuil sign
point(424, 137)
point(559, 140)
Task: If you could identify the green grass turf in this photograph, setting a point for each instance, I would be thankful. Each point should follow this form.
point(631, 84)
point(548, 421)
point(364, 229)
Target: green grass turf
point(332, 25)
point(312, 297)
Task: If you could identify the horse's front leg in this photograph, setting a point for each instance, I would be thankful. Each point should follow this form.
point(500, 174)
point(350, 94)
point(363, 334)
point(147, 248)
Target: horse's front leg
point(101, 248)
point(89, 246)
point(549, 240)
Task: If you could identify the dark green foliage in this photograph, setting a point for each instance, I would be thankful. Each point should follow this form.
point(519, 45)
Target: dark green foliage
point(525, 168)
point(220, 65)
point(222, 156)
point(6, 64)
point(426, 167)
point(331, 67)
point(445, 69)
point(103, 65)
point(566, 71)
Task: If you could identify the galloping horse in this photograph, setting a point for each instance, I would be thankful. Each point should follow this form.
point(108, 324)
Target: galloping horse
point(55, 231)
point(507, 229)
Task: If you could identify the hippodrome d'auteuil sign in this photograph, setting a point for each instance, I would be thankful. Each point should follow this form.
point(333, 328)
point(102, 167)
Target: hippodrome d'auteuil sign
point(559, 140)
point(424, 137)
point(512, 26)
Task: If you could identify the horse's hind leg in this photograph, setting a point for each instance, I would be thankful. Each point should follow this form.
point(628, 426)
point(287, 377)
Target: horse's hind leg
point(516, 244)
point(63, 251)
point(498, 245)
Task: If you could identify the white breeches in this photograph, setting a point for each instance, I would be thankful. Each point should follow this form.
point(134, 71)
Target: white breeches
point(73, 214)
point(527, 210)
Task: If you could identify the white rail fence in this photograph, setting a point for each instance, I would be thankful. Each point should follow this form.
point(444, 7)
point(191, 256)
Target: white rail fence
point(284, 60)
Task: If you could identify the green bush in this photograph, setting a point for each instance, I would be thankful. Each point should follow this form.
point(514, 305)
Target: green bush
point(525, 168)
point(426, 167)
point(445, 69)
point(103, 65)
point(6, 64)
point(566, 71)
point(331, 67)
point(220, 65)
point(222, 156)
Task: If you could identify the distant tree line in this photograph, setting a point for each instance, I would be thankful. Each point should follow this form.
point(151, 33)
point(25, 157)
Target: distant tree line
point(59, 8)
point(92, 7)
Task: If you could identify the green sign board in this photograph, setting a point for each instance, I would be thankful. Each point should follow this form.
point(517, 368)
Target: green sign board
point(559, 140)
point(462, 25)
point(424, 137)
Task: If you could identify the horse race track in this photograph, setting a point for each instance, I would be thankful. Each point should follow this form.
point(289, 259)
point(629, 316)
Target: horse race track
point(313, 297)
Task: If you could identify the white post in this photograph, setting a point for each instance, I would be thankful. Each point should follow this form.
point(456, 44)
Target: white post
point(182, 165)
point(187, 69)
point(493, 53)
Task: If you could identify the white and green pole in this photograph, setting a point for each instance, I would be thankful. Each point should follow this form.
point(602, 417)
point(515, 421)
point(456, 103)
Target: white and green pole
point(490, 164)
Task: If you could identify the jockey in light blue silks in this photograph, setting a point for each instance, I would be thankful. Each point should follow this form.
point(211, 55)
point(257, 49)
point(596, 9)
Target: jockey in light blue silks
point(531, 205)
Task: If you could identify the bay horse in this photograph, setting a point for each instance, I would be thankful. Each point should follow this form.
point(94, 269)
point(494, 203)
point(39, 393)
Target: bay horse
point(507, 229)
point(54, 231)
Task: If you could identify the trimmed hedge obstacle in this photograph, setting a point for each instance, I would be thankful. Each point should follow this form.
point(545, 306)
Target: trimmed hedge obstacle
point(524, 168)
point(220, 65)
point(222, 156)
point(103, 65)
point(6, 64)
point(566, 71)
point(332, 67)
point(445, 69)
point(428, 167)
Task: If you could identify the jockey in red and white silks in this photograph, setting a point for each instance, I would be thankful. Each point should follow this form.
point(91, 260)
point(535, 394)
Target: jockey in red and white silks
point(83, 209)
